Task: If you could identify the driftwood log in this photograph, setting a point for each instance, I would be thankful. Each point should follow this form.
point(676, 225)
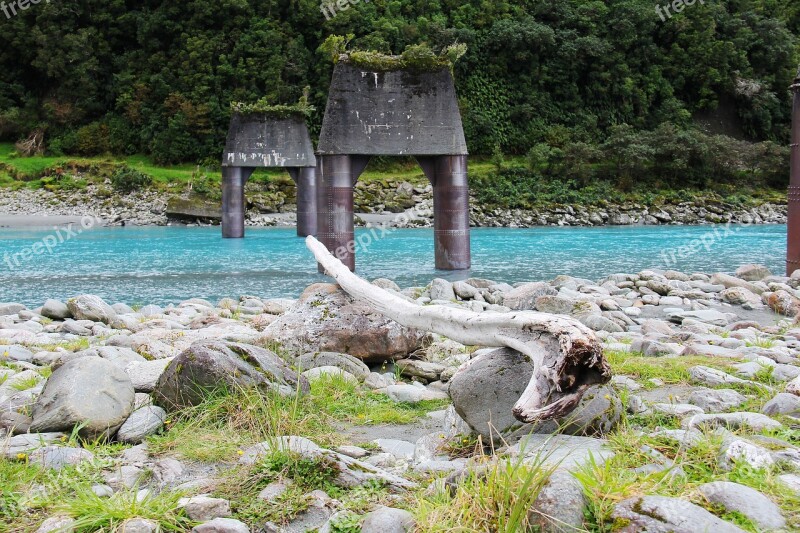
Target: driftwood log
point(567, 356)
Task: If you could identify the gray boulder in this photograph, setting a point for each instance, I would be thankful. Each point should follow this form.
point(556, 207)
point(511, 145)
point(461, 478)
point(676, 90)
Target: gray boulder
point(56, 310)
point(326, 319)
point(90, 307)
point(660, 514)
point(91, 392)
point(441, 289)
point(598, 413)
point(524, 297)
point(387, 520)
point(752, 272)
point(782, 404)
point(209, 365)
point(346, 362)
point(749, 502)
point(559, 506)
point(485, 389)
point(7, 309)
point(141, 424)
point(716, 400)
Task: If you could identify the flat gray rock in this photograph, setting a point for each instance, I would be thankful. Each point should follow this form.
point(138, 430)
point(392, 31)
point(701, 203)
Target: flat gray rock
point(751, 503)
point(562, 451)
point(16, 352)
point(660, 514)
point(57, 457)
point(713, 377)
point(10, 448)
point(387, 520)
point(399, 448)
point(754, 421)
point(716, 400)
point(346, 362)
point(141, 424)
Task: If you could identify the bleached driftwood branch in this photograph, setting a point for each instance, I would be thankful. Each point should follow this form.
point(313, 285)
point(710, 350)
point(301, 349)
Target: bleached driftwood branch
point(567, 356)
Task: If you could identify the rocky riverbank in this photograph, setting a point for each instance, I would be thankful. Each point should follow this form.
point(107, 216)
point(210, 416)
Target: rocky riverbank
point(291, 415)
point(274, 205)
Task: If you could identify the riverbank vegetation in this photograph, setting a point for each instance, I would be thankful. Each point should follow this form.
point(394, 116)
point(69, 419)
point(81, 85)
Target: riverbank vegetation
point(157, 78)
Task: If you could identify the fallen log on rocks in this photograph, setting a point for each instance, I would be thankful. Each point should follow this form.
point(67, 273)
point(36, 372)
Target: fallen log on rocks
point(567, 356)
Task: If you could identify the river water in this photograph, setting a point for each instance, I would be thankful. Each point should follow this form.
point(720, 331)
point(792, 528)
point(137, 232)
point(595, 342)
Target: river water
point(168, 264)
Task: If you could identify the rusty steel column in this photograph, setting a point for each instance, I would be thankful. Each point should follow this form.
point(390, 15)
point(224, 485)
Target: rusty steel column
point(451, 213)
point(306, 180)
point(793, 222)
point(233, 204)
point(335, 222)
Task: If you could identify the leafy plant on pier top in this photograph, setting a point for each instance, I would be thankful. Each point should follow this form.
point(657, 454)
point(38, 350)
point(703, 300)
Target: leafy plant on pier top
point(302, 108)
point(420, 57)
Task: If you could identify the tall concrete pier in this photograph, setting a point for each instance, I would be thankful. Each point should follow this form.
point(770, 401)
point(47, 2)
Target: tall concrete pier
point(396, 113)
point(263, 141)
point(793, 237)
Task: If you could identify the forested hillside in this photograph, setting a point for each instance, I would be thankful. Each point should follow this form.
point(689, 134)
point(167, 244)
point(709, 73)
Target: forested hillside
point(156, 77)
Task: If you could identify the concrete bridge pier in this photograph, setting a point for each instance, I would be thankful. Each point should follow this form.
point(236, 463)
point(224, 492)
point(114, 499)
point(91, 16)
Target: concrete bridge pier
point(448, 175)
point(793, 223)
point(335, 221)
point(336, 178)
point(233, 202)
point(305, 178)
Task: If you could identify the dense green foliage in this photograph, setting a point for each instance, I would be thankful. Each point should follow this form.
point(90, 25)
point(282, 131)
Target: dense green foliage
point(641, 163)
point(156, 77)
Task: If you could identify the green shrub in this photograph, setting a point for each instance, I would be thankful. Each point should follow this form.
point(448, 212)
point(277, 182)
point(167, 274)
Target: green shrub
point(127, 180)
point(92, 140)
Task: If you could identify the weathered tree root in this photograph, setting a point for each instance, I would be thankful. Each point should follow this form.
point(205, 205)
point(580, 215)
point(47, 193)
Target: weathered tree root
point(567, 356)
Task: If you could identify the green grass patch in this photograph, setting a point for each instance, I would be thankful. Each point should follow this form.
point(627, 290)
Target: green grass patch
point(93, 513)
point(496, 498)
point(616, 480)
point(228, 421)
point(670, 370)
